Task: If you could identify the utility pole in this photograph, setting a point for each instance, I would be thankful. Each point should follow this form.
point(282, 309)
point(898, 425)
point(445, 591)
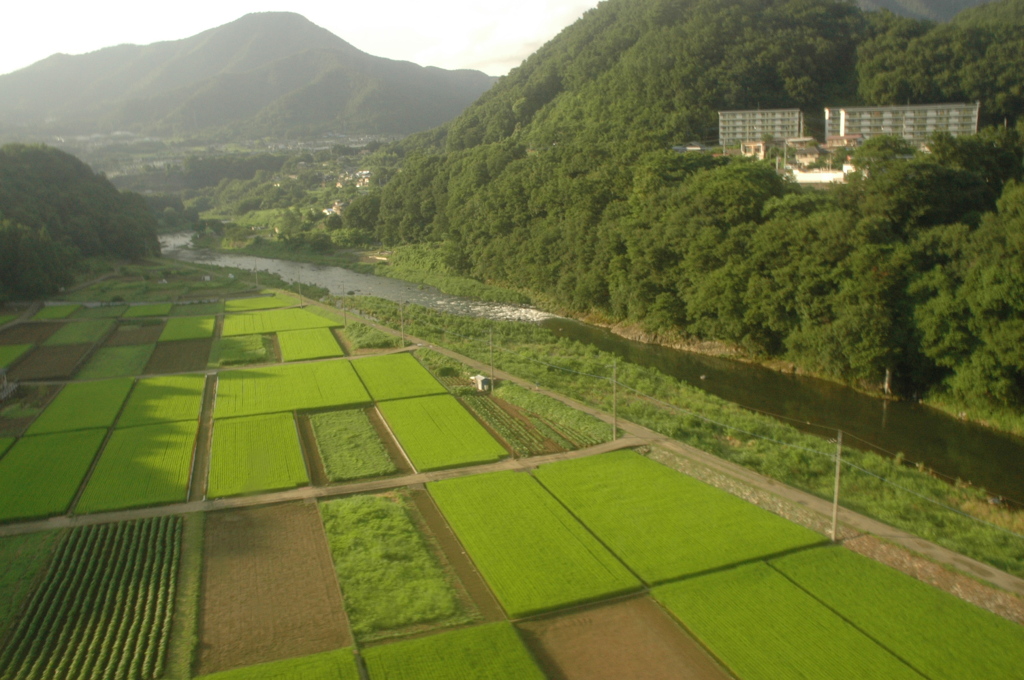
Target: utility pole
point(492, 359)
point(344, 312)
point(401, 312)
point(835, 494)
point(615, 410)
point(256, 272)
point(300, 296)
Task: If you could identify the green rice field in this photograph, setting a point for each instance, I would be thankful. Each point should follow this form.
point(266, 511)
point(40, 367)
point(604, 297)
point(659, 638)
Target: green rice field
point(164, 399)
point(5, 443)
point(396, 376)
point(100, 312)
point(437, 432)
point(489, 652)
point(80, 332)
point(388, 573)
point(258, 453)
point(257, 303)
point(337, 665)
point(116, 362)
point(198, 309)
point(5, 318)
point(40, 476)
point(288, 387)
point(663, 524)
point(188, 328)
point(242, 349)
point(11, 353)
point(310, 343)
point(155, 309)
point(148, 465)
point(81, 406)
point(51, 312)
point(24, 558)
point(349, 445)
point(273, 321)
point(531, 551)
point(763, 627)
point(936, 633)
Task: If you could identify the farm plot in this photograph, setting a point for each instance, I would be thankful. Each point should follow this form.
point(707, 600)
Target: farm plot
point(164, 399)
point(663, 524)
point(80, 406)
point(633, 638)
point(489, 652)
point(350, 446)
point(763, 627)
point(135, 333)
point(28, 333)
point(288, 387)
point(179, 356)
point(188, 328)
point(156, 309)
point(936, 633)
point(243, 349)
point(198, 309)
point(49, 363)
point(360, 336)
point(148, 465)
point(51, 312)
point(257, 453)
point(567, 426)
point(311, 343)
point(100, 312)
point(104, 607)
point(273, 321)
point(523, 437)
point(40, 476)
point(80, 332)
point(390, 578)
point(5, 443)
point(437, 433)
point(116, 362)
point(5, 318)
point(396, 376)
point(24, 558)
point(257, 303)
point(337, 665)
point(268, 588)
point(531, 551)
point(10, 353)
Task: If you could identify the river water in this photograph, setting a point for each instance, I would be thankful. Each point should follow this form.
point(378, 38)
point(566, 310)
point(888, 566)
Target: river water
point(949, 446)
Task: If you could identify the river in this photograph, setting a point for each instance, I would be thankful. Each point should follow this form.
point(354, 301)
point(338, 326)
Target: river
point(945, 444)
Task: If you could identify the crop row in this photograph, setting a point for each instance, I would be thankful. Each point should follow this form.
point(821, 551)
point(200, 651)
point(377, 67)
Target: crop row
point(524, 440)
point(551, 416)
point(104, 607)
point(437, 432)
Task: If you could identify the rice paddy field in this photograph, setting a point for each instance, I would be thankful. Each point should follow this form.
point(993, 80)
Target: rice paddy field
point(396, 376)
point(188, 328)
point(164, 399)
point(116, 362)
point(100, 312)
point(288, 387)
point(241, 350)
point(336, 665)
point(155, 309)
point(51, 312)
point(258, 453)
point(257, 303)
point(79, 406)
point(11, 353)
point(273, 321)
point(81, 332)
point(310, 343)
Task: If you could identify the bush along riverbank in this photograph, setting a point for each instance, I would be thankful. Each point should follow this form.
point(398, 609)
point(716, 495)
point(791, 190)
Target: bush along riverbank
point(958, 517)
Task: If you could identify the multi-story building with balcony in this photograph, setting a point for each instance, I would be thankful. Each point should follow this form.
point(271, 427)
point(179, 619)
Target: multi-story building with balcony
point(736, 127)
point(914, 123)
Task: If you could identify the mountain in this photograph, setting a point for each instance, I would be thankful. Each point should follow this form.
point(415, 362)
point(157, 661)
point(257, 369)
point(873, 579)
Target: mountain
point(272, 73)
point(932, 10)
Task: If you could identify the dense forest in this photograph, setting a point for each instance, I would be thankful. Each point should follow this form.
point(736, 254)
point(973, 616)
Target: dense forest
point(561, 182)
point(53, 211)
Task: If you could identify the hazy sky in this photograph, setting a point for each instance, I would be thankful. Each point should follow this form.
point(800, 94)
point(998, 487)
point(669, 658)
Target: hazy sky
point(490, 35)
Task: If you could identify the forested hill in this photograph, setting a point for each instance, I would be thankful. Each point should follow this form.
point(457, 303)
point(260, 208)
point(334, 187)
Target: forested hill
point(53, 211)
point(560, 181)
point(272, 73)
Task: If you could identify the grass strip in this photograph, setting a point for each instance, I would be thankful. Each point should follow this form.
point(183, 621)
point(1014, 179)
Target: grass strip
point(288, 387)
point(241, 350)
point(339, 664)
point(81, 406)
point(11, 353)
point(273, 321)
point(396, 376)
point(762, 627)
point(181, 648)
point(663, 524)
point(50, 312)
point(164, 399)
point(39, 476)
point(188, 328)
point(350, 446)
point(116, 362)
point(155, 309)
point(309, 343)
point(80, 332)
point(361, 336)
point(388, 574)
point(489, 652)
point(258, 453)
point(531, 551)
point(140, 466)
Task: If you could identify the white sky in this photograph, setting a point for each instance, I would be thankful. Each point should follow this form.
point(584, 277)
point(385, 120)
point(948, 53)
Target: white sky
point(492, 36)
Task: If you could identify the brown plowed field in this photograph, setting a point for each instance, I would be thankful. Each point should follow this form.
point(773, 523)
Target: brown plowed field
point(50, 363)
point(135, 334)
point(179, 356)
point(631, 638)
point(269, 588)
point(28, 333)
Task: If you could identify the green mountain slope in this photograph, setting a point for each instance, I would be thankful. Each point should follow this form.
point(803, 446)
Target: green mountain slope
point(267, 73)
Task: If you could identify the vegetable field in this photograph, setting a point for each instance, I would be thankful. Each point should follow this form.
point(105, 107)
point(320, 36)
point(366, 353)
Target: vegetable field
point(525, 439)
point(349, 445)
point(310, 343)
point(80, 406)
point(116, 362)
point(288, 387)
point(273, 321)
point(148, 465)
point(387, 572)
point(258, 453)
point(55, 312)
point(337, 665)
point(40, 476)
point(9, 353)
point(396, 376)
point(80, 332)
point(155, 309)
point(242, 349)
point(579, 428)
point(763, 627)
point(188, 328)
point(663, 524)
point(531, 551)
point(104, 607)
point(164, 399)
point(940, 635)
point(437, 432)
